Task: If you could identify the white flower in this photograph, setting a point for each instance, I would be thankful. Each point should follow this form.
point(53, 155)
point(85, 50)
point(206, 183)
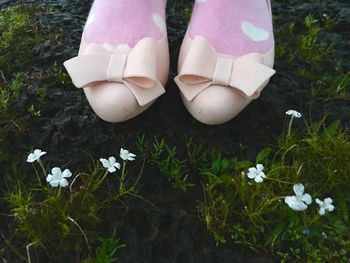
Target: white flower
point(294, 113)
point(126, 155)
point(58, 178)
point(111, 164)
point(299, 201)
point(325, 205)
point(324, 235)
point(257, 173)
point(34, 156)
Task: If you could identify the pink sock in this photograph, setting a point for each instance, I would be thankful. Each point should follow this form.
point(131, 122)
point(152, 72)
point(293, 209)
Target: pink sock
point(234, 27)
point(122, 23)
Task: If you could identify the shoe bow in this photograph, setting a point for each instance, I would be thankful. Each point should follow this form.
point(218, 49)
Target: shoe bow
point(136, 69)
point(204, 66)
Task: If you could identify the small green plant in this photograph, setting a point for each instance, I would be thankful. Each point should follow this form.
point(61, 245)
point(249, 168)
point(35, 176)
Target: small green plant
point(303, 47)
point(11, 123)
point(9, 92)
point(42, 94)
point(57, 74)
point(313, 50)
point(330, 86)
point(108, 249)
point(60, 212)
point(164, 157)
point(304, 44)
point(34, 112)
point(19, 33)
point(253, 206)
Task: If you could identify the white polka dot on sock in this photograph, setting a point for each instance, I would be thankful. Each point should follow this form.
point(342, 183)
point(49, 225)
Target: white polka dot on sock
point(160, 22)
point(254, 33)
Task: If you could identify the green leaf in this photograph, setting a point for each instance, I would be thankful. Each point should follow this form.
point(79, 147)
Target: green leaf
point(342, 204)
point(242, 165)
point(226, 178)
point(333, 128)
point(340, 226)
point(263, 154)
point(274, 235)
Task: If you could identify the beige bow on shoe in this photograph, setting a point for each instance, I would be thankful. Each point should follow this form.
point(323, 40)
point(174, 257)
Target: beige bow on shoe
point(203, 67)
point(136, 69)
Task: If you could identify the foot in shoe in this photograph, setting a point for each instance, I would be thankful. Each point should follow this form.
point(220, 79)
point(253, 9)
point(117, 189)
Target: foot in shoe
point(121, 24)
point(234, 27)
point(226, 58)
point(123, 61)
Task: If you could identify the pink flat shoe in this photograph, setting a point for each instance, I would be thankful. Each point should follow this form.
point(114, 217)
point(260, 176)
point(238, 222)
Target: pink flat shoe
point(226, 58)
point(123, 60)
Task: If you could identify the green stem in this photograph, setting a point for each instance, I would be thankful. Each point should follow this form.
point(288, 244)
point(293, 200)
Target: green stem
point(290, 126)
point(123, 169)
point(140, 197)
point(36, 172)
point(59, 191)
point(267, 203)
point(314, 219)
point(285, 153)
point(122, 177)
point(42, 167)
point(102, 179)
point(139, 176)
point(28, 251)
point(71, 184)
point(82, 231)
point(276, 180)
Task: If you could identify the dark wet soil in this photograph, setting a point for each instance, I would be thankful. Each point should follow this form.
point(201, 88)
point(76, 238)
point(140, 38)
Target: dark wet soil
point(68, 126)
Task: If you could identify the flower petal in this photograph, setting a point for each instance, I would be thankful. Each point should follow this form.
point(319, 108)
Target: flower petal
point(104, 162)
point(42, 153)
point(298, 206)
point(31, 158)
point(131, 156)
point(66, 173)
point(307, 199)
point(112, 169)
point(330, 208)
point(258, 179)
point(252, 170)
point(260, 167)
point(37, 152)
point(251, 175)
point(124, 154)
point(294, 113)
point(298, 189)
point(56, 171)
point(262, 174)
point(54, 183)
point(318, 201)
point(49, 178)
point(117, 165)
point(294, 204)
point(289, 200)
point(328, 201)
point(321, 211)
point(63, 182)
point(112, 160)
point(297, 115)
